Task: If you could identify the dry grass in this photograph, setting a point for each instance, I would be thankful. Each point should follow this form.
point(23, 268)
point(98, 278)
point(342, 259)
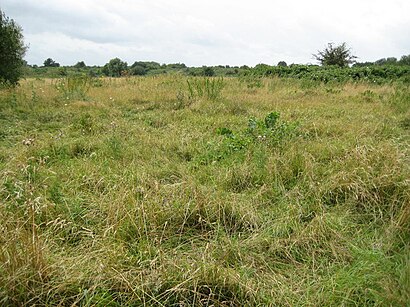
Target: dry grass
point(128, 196)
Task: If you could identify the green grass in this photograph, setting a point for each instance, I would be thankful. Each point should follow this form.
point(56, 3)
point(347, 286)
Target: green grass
point(135, 192)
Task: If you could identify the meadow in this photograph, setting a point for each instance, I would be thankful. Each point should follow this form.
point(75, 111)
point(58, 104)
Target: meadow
point(189, 191)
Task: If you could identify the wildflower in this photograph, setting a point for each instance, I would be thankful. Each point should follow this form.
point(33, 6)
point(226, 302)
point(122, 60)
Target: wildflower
point(28, 142)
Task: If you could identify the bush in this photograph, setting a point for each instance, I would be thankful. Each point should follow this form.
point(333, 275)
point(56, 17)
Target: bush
point(115, 68)
point(375, 74)
point(138, 70)
point(208, 71)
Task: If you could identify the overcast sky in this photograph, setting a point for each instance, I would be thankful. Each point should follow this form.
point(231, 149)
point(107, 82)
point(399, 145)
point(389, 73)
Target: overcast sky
point(210, 32)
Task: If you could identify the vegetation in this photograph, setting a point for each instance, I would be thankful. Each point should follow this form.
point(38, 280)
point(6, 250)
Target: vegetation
point(312, 73)
point(140, 191)
point(51, 63)
point(335, 56)
point(380, 71)
point(80, 64)
point(208, 71)
point(115, 68)
point(210, 88)
point(404, 61)
point(12, 50)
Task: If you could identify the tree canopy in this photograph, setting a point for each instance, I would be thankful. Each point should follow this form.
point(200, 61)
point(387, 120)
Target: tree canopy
point(51, 63)
point(115, 68)
point(12, 50)
point(339, 55)
point(80, 64)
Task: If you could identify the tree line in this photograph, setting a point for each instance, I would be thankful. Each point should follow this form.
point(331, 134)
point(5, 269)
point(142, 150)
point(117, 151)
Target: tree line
point(13, 66)
point(118, 68)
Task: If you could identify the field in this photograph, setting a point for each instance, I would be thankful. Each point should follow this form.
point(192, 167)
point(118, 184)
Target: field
point(187, 191)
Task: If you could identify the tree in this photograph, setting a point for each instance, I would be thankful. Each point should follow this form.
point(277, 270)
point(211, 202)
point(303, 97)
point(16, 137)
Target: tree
point(208, 71)
point(339, 55)
point(12, 50)
point(405, 60)
point(80, 65)
point(147, 65)
point(115, 68)
point(138, 70)
point(51, 63)
point(141, 68)
point(282, 64)
point(388, 61)
point(176, 66)
point(391, 61)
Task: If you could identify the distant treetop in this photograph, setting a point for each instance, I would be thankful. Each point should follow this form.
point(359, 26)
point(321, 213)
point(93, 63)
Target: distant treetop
point(80, 64)
point(51, 63)
point(335, 55)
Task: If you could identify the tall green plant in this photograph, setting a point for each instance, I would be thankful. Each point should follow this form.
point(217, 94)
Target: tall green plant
point(74, 87)
point(210, 88)
point(270, 131)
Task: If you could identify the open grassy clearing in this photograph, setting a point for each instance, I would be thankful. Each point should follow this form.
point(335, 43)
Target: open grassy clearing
point(127, 192)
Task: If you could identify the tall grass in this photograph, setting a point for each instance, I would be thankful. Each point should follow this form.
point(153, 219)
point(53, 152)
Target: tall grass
point(211, 88)
point(116, 197)
point(74, 87)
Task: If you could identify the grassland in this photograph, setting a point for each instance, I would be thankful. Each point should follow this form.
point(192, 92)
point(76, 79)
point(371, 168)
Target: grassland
point(169, 191)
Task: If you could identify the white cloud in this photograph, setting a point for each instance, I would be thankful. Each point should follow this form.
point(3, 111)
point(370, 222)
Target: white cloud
point(208, 32)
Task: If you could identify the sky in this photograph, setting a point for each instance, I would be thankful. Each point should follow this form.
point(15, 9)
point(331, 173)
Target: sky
point(210, 32)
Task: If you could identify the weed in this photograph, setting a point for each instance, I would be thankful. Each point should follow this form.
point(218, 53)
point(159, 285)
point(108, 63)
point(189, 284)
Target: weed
point(252, 81)
point(269, 131)
point(74, 87)
point(400, 101)
point(210, 88)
